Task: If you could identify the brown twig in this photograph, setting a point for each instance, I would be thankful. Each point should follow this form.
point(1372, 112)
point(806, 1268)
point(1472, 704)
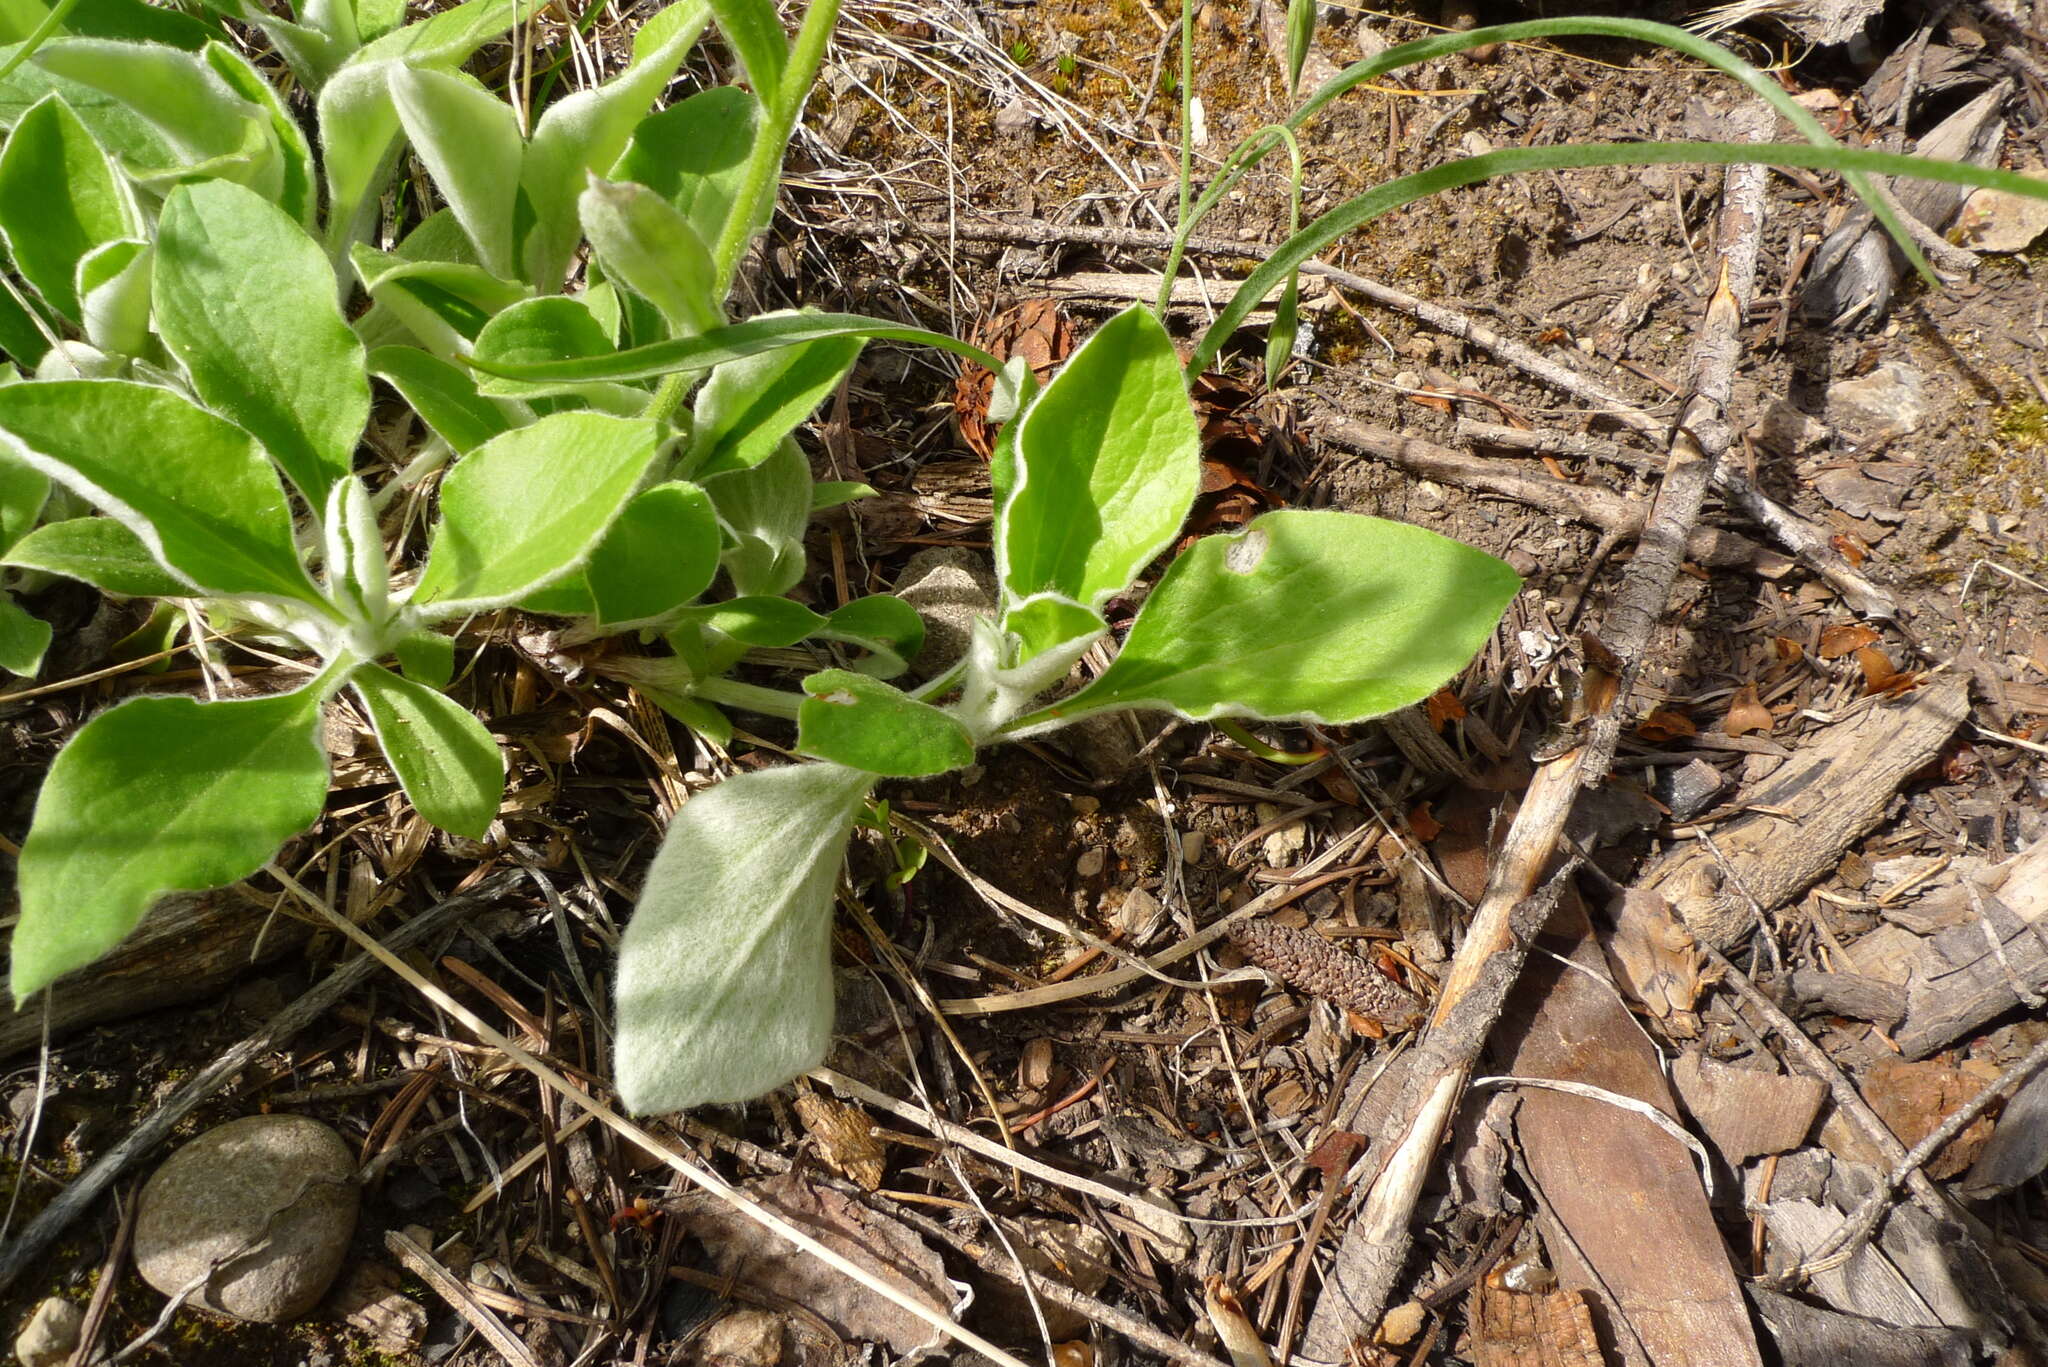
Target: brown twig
point(1376, 1245)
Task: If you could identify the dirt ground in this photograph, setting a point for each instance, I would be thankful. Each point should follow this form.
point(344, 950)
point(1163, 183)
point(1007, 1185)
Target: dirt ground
point(1916, 443)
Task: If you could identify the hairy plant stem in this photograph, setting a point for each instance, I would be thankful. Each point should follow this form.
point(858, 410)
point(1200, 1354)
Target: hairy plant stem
point(769, 702)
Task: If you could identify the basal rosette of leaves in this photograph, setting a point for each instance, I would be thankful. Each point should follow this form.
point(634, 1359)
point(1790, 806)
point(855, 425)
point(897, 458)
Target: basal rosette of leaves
point(191, 373)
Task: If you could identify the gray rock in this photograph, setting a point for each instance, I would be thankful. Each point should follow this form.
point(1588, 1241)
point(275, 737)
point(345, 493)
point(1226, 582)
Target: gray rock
point(267, 1202)
point(949, 587)
point(50, 1335)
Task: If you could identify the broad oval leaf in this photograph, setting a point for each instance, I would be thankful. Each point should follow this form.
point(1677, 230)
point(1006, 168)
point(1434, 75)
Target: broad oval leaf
point(758, 620)
point(524, 509)
point(747, 407)
point(725, 971)
point(886, 625)
point(1317, 616)
point(1108, 461)
point(194, 488)
point(659, 555)
point(59, 200)
point(23, 495)
point(447, 762)
point(99, 551)
point(113, 296)
point(247, 301)
point(753, 30)
point(428, 657)
point(157, 795)
point(1048, 623)
point(863, 723)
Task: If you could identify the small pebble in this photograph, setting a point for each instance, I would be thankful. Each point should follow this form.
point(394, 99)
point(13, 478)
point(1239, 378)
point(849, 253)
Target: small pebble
point(1091, 862)
point(51, 1334)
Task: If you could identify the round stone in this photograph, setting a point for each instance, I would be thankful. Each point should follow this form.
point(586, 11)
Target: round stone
point(262, 1208)
point(51, 1334)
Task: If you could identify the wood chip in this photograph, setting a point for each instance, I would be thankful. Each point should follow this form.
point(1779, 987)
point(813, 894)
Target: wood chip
point(1511, 1329)
point(1745, 1112)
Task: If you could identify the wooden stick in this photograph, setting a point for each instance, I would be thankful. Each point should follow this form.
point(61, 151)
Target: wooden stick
point(1370, 1258)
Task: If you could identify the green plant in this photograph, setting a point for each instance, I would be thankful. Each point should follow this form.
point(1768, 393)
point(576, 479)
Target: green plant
point(724, 984)
point(197, 382)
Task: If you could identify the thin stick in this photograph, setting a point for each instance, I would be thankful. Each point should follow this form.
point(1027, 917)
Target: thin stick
point(1371, 1256)
point(43, 1231)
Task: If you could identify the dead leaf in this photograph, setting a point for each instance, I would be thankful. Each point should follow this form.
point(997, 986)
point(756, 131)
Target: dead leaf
point(738, 1247)
point(1424, 826)
point(1880, 675)
point(1654, 957)
point(1335, 1154)
point(1664, 724)
point(1746, 714)
point(1036, 330)
point(1845, 638)
point(1786, 649)
point(1443, 707)
point(1853, 549)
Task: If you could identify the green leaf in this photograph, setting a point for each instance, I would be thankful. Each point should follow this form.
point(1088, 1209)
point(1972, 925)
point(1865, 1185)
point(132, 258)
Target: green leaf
point(23, 495)
point(128, 137)
point(753, 30)
point(1108, 462)
point(549, 328)
point(1317, 616)
point(247, 302)
point(449, 765)
point(695, 713)
point(428, 657)
point(863, 723)
point(769, 623)
point(194, 488)
point(157, 795)
point(721, 346)
point(1286, 328)
point(749, 406)
point(444, 304)
point(358, 122)
point(1050, 624)
point(298, 193)
point(443, 395)
point(659, 555)
point(831, 493)
point(59, 199)
point(694, 155)
point(209, 128)
point(645, 243)
point(113, 296)
point(886, 625)
point(23, 638)
point(469, 141)
point(586, 131)
point(764, 511)
point(99, 551)
point(725, 971)
point(1301, 31)
point(525, 508)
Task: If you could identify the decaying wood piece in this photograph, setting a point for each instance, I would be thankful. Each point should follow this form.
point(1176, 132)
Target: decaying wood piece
point(1746, 1112)
point(1370, 1257)
point(1639, 1235)
point(1971, 973)
point(1809, 1336)
point(190, 946)
point(2018, 1151)
point(1518, 1329)
point(1856, 269)
point(1832, 792)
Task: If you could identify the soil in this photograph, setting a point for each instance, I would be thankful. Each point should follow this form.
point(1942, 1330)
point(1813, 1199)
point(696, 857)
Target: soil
point(1225, 1100)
